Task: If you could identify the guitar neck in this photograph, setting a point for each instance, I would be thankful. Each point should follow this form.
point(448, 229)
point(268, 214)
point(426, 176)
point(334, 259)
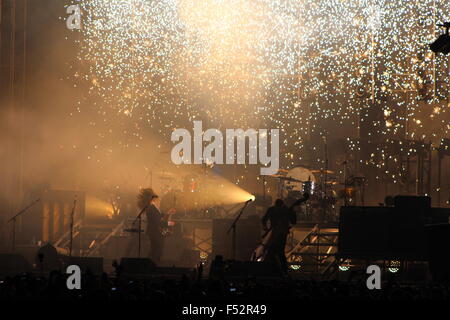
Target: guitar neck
point(298, 202)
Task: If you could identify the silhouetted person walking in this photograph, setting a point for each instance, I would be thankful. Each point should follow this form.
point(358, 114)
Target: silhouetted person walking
point(281, 218)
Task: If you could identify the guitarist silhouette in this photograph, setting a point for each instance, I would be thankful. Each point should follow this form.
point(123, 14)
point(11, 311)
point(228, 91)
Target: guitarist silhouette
point(158, 224)
point(281, 218)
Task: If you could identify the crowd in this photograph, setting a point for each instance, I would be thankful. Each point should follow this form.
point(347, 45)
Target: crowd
point(184, 288)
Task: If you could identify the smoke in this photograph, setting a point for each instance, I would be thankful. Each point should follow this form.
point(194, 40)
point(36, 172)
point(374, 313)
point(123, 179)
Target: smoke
point(57, 136)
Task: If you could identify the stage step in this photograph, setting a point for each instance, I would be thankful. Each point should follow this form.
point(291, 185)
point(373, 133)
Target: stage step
point(320, 244)
point(310, 248)
point(314, 254)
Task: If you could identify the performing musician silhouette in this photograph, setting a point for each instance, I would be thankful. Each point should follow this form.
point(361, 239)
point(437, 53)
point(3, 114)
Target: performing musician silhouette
point(157, 223)
point(281, 218)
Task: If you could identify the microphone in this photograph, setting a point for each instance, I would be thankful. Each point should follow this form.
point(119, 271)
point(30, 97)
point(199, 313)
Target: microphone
point(249, 200)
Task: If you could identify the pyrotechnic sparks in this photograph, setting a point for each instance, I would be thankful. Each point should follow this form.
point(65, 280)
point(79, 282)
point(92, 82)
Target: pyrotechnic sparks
point(286, 64)
point(212, 58)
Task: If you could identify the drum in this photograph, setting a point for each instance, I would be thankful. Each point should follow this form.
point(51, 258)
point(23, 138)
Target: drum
point(296, 182)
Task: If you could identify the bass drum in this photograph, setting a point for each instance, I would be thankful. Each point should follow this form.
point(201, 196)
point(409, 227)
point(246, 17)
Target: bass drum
point(296, 189)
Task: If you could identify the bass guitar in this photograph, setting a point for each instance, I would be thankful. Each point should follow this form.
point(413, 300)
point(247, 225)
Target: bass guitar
point(167, 230)
point(259, 254)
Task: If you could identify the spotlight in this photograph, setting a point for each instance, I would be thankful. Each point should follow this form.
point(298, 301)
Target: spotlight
point(345, 265)
point(394, 266)
point(295, 266)
point(203, 256)
point(442, 44)
point(344, 268)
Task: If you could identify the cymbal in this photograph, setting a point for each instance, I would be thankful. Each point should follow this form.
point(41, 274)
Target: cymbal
point(278, 176)
point(292, 179)
point(322, 171)
point(282, 177)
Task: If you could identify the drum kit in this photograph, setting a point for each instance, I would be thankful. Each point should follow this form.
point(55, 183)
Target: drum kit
point(326, 192)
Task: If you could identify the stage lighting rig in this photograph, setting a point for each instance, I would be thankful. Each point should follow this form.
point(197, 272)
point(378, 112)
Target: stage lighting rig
point(442, 43)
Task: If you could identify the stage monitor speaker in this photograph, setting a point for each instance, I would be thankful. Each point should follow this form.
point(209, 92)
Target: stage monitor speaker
point(49, 258)
point(363, 231)
point(381, 233)
point(137, 267)
point(93, 265)
point(13, 264)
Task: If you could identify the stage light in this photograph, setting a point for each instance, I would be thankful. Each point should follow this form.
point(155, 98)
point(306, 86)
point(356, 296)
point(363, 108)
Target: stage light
point(203, 256)
point(344, 268)
point(442, 43)
point(96, 207)
point(393, 270)
point(345, 265)
point(394, 266)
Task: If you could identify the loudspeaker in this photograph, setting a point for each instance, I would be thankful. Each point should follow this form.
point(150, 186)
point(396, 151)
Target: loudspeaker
point(13, 264)
point(382, 233)
point(91, 265)
point(438, 242)
point(137, 267)
point(408, 232)
point(50, 258)
point(414, 205)
point(363, 231)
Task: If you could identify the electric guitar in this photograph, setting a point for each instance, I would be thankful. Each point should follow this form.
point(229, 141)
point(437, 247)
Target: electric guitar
point(259, 254)
point(167, 230)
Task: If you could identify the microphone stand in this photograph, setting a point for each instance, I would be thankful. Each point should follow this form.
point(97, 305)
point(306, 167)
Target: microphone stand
point(233, 228)
point(139, 218)
point(72, 214)
point(345, 183)
point(13, 219)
